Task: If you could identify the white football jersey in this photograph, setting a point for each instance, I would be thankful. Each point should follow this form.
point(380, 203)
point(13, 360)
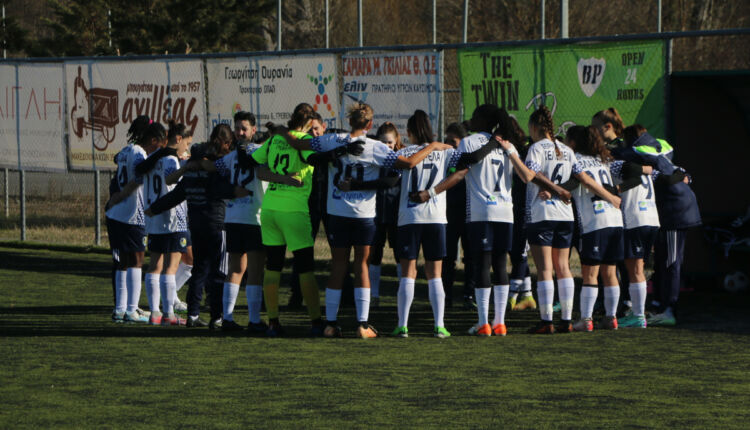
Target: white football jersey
point(594, 212)
point(155, 186)
point(366, 167)
point(242, 210)
point(423, 176)
point(488, 183)
point(542, 157)
point(638, 204)
point(130, 210)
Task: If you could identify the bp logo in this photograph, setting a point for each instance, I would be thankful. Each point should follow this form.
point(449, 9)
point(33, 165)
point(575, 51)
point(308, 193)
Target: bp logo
point(590, 74)
point(321, 98)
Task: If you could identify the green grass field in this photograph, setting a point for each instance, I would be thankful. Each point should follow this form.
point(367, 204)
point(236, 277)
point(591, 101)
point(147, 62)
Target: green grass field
point(65, 365)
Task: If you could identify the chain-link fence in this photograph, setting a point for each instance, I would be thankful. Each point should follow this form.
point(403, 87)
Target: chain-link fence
point(63, 206)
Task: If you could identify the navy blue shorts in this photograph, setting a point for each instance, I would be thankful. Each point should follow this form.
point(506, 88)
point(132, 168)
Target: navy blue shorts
point(489, 236)
point(126, 237)
point(557, 234)
point(169, 242)
point(603, 246)
point(344, 232)
point(430, 236)
point(639, 241)
point(243, 238)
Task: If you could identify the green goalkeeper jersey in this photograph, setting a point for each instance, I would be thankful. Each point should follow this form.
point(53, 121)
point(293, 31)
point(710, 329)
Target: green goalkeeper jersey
point(283, 159)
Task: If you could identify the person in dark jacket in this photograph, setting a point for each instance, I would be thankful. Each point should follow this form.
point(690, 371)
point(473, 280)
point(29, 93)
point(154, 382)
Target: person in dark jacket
point(678, 211)
point(205, 193)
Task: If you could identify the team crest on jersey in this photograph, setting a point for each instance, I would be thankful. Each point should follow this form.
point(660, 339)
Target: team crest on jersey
point(590, 74)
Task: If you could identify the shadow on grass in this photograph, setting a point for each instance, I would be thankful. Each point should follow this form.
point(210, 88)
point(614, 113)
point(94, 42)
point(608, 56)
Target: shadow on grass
point(70, 266)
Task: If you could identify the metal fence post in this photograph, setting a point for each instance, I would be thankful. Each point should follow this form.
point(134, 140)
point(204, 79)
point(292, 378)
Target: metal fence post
point(5, 185)
point(278, 26)
point(563, 19)
point(97, 207)
point(22, 197)
point(658, 16)
point(359, 23)
point(541, 24)
point(434, 22)
point(466, 21)
point(328, 33)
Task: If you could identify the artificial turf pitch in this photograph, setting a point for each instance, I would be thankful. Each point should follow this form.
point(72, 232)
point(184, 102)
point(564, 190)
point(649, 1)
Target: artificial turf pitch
point(64, 364)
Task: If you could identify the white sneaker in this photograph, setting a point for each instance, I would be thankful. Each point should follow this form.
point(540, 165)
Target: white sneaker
point(473, 330)
point(142, 313)
point(118, 317)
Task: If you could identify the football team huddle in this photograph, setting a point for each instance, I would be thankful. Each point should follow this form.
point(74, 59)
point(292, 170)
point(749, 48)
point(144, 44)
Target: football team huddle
point(223, 213)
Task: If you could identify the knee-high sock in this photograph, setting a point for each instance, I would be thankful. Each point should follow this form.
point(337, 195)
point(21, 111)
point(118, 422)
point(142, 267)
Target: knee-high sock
point(184, 272)
point(398, 270)
point(254, 295)
point(589, 294)
point(229, 298)
point(526, 288)
point(362, 303)
point(271, 280)
point(134, 287)
point(121, 290)
point(638, 297)
point(309, 288)
point(153, 291)
point(437, 300)
point(566, 290)
point(483, 304)
point(516, 285)
point(545, 290)
point(611, 299)
point(333, 300)
point(405, 297)
point(167, 287)
point(501, 303)
point(374, 280)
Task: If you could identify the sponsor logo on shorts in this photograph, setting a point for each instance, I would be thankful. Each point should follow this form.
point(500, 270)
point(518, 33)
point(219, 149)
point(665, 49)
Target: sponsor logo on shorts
point(145, 240)
point(596, 249)
point(183, 242)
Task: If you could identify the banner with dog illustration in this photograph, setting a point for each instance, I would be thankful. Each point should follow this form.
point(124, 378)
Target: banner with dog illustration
point(31, 117)
point(105, 97)
point(573, 81)
point(271, 87)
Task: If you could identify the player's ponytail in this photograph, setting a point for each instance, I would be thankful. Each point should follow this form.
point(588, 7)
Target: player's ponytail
point(302, 117)
point(542, 119)
point(419, 127)
point(588, 141)
point(175, 130)
point(612, 117)
point(359, 114)
point(137, 128)
point(153, 131)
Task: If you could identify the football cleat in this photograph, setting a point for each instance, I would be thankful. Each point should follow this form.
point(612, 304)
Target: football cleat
point(556, 307)
point(512, 301)
point(585, 324)
point(135, 317)
point(543, 327)
point(665, 318)
point(180, 307)
point(259, 327)
point(215, 324)
point(609, 323)
point(274, 329)
point(366, 331)
point(400, 331)
point(441, 333)
point(143, 313)
point(632, 321)
point(317, 328)
point(155, 318)
point(482, 331)
point(195, 323)
point(470, 303)
point(499, 330)
point(172, 320)
point(565, 326)
point(332, 330)
point(524, 303)
point(230, 325)
point(118, 317)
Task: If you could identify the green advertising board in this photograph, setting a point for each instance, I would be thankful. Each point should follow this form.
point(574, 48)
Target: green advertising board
point(573, 81)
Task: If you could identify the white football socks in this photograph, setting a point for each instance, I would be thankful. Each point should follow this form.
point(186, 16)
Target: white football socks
point(545, 291)
point(153, 291)
point(515, 287)
point(483, 304)
point(501, 302)
point(229, 298)
point(566, 289)
point(167, 287)
point(526, 289)
point(375, 280)
point(638, 297)
point(611, 299)
point(362, 303)
point(184, 272)
point(333, 300)
point(134, 288)
point(405, 297)
point(437, 300)
point(121, 290)
point(254, 294)
point(589, 294)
